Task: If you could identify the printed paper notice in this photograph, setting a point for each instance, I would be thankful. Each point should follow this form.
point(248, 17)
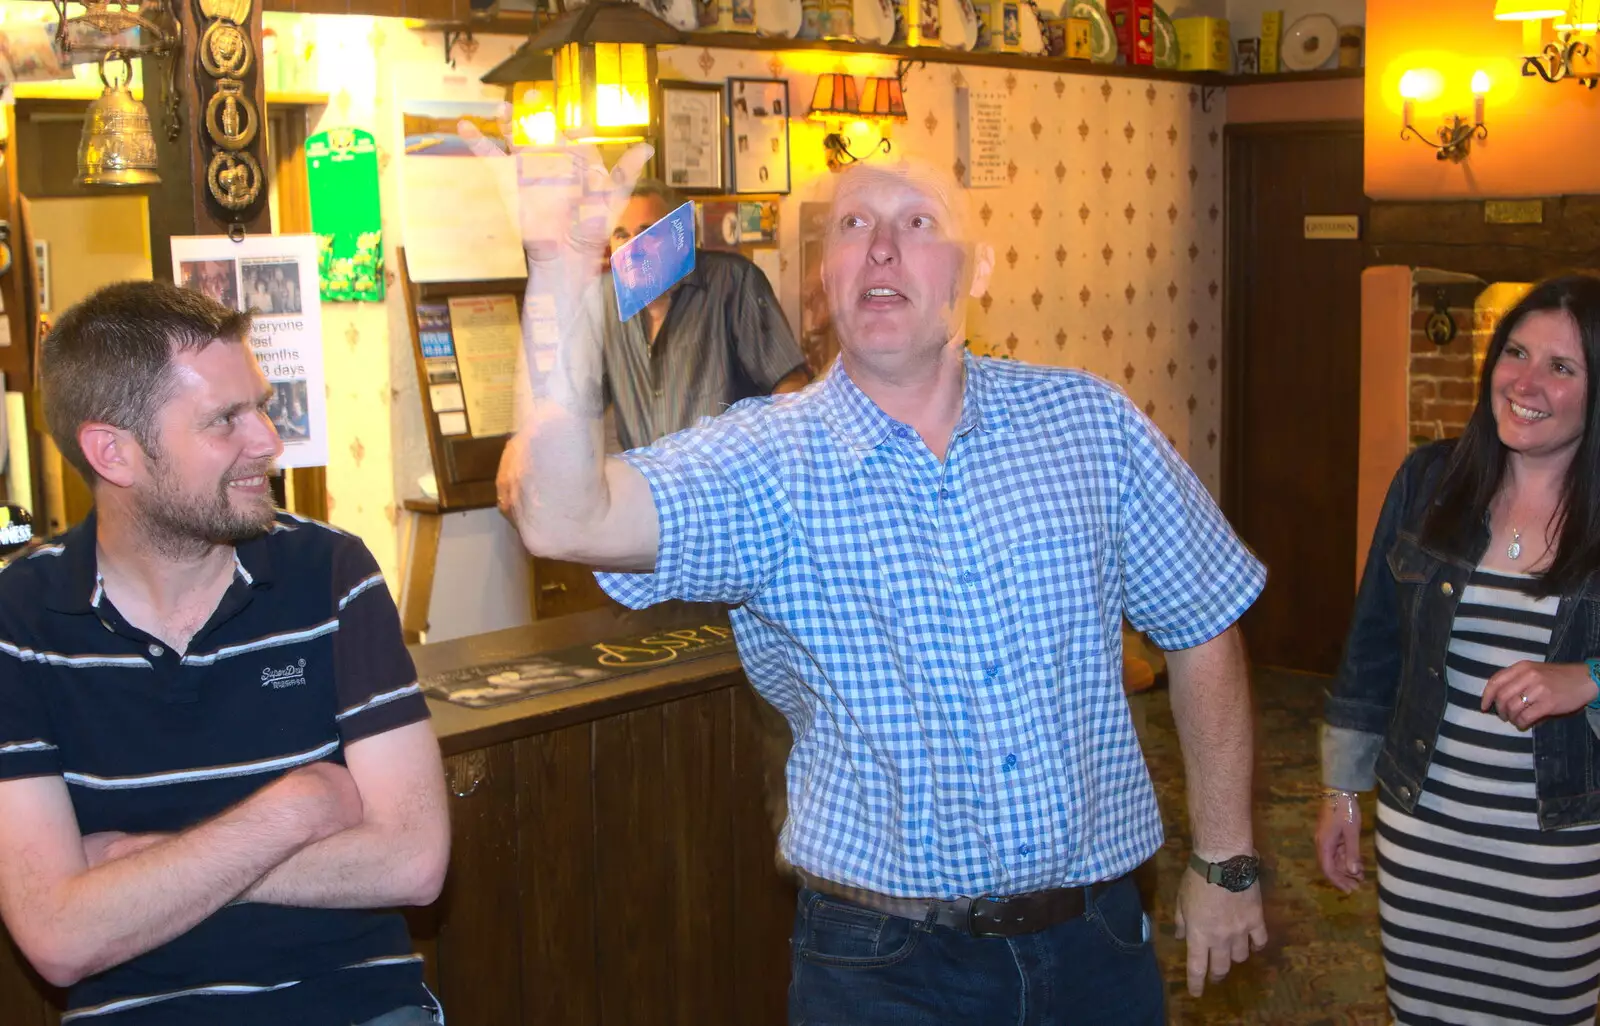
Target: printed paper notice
point(981, 137)
point(274, 277)
point(487, 338)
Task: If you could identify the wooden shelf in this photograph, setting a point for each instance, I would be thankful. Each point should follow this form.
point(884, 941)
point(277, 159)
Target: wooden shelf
point(524, 25)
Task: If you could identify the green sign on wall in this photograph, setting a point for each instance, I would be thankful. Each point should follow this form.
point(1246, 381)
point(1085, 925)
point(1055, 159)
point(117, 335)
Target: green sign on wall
point(342, 174)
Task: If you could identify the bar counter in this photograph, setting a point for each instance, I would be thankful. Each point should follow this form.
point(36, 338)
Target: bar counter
point(613, 855)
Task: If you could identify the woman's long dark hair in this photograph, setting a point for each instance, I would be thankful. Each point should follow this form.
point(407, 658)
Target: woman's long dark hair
point(1477, 466)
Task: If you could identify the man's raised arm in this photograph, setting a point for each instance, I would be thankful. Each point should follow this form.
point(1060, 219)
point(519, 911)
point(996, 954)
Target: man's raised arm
point(567, 500)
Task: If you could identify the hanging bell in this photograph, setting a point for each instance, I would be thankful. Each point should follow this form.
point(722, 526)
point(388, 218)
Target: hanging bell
point(118, 147)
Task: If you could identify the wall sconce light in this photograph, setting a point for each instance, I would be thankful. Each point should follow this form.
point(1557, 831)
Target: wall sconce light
point(1567, 56)
point(605, 67)
point(835, 102)
point(1455, 135)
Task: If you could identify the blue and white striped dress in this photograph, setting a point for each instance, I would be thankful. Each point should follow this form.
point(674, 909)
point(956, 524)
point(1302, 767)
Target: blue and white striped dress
point(1485, 918)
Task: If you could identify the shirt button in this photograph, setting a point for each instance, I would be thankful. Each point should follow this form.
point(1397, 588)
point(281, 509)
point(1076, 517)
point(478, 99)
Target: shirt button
point(968, 576)
point(1405, 793)
point(155, 650)
point(1447, 588)
point(992, 671)
point(1025, 850)
point(1422, 746)
point(1433, 671)
point(1011, 761)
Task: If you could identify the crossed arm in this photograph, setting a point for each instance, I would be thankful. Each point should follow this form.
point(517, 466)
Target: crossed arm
point(374, 835)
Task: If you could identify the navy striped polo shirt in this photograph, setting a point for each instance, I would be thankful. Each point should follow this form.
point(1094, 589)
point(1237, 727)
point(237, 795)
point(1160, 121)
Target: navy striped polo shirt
point(302, 657)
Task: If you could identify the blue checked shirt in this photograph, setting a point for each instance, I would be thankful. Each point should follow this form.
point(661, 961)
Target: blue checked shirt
point(945, 638)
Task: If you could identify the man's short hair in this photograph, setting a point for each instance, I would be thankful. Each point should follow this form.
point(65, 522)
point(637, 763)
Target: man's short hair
point(108, 359)
point(655, 188)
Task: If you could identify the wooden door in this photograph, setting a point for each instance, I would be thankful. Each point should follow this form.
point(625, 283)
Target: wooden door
point(1293, 379)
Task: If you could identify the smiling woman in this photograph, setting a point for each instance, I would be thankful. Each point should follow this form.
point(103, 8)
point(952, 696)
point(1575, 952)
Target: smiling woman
point(1467, 654)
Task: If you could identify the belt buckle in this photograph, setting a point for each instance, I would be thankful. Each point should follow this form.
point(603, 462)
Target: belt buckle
point(992, 920)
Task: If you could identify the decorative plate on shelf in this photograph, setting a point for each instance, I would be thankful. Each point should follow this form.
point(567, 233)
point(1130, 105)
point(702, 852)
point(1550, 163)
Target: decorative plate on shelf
point(1031, 30)
point(1309, 43)
point(874, 21)
point(778, 17)
point(680, 14)
point(1166, 40)
point(955, 17)
point(1102, 37)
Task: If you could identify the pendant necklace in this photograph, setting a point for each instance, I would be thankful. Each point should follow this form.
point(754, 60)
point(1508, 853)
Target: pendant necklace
point(1514, 550)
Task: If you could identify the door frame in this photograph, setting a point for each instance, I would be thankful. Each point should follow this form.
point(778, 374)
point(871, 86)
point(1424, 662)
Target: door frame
point(1238, 277)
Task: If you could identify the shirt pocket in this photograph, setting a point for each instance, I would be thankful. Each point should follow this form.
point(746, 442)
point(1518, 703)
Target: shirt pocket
point(1057, 579)
point(1412, 567)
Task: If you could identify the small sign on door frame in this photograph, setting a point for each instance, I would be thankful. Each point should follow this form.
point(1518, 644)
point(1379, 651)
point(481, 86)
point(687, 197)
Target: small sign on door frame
point(1333, 226)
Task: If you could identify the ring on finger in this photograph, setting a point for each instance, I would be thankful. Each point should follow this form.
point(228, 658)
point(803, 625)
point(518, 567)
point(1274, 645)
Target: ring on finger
point(1524, 698)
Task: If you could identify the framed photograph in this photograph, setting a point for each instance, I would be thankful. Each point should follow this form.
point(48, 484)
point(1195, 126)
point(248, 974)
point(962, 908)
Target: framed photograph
point(691, 136)
point(758, 135)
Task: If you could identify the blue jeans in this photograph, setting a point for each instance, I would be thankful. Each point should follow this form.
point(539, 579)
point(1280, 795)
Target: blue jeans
point(853, 966)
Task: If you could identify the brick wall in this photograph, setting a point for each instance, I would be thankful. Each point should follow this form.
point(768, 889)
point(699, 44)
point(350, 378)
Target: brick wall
point(1444, 378)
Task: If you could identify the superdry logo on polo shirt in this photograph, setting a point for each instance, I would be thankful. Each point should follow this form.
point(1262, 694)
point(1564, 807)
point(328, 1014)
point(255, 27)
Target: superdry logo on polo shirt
point(286, 677)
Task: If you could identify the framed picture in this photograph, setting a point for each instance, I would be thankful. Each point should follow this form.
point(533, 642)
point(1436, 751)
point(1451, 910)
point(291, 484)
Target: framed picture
point(691, 136)
point(758, 135)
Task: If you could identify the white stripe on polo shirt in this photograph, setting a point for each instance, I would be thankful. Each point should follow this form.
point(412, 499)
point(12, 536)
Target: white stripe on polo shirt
point(270, 641)
point(377, 700)
point(240, 769)
point(364, 584)
point(220, 989)
point(73, 662)
point(27, 746)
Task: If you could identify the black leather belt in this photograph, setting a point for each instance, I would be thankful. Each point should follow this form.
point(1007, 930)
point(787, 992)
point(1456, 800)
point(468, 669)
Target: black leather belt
point(983, 916)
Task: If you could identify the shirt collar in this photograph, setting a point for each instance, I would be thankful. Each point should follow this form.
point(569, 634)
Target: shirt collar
point(77, 587)
point(865, 426)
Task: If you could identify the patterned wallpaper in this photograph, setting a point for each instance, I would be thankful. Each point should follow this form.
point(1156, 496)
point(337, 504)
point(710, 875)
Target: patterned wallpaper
point(1108, 235)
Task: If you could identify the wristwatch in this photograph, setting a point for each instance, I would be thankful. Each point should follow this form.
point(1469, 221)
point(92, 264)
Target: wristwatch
point(1235, 874)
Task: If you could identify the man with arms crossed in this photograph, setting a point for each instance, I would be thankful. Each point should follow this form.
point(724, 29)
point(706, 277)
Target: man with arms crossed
point(929, 556)
point(214, 757)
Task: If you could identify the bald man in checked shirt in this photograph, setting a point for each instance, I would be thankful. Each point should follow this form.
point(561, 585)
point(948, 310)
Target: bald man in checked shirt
point(929, 556)
point(716, 337)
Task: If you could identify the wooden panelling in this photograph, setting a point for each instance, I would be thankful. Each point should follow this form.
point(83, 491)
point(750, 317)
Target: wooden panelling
point(632, 868)
point(1454, 236)
point(556, 839)
point(696, 767)
point(480, 957)
point(763, 898)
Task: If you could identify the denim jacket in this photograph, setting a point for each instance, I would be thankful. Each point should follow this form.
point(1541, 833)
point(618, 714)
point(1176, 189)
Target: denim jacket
point(1384, 708)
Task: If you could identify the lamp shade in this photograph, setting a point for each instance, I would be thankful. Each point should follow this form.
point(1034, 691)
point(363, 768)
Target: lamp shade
point(603, 91)
point(834, 97)
point(883, 99)
point(1527, 10)
point(1580, 16)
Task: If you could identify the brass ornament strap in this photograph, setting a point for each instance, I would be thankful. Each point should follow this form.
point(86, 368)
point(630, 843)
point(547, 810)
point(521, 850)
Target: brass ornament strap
point(231, 118)
point(234, 179)
point(225, 50)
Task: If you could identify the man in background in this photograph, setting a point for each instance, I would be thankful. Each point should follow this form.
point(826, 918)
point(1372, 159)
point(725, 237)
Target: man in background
point(714, 338)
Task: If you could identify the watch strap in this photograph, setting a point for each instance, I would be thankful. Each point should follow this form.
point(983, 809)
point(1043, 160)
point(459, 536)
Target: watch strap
point(1594, 675)
point(1210, 872)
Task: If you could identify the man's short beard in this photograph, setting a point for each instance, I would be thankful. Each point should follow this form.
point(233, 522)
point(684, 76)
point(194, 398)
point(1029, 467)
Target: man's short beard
point(179, 524)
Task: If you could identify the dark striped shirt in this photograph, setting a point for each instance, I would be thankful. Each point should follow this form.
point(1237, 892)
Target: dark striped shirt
point(1484, 917)
point(724, 339)
point(302, 657)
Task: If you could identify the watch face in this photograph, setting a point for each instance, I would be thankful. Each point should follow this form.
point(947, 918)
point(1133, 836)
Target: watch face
point(1239, 872)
